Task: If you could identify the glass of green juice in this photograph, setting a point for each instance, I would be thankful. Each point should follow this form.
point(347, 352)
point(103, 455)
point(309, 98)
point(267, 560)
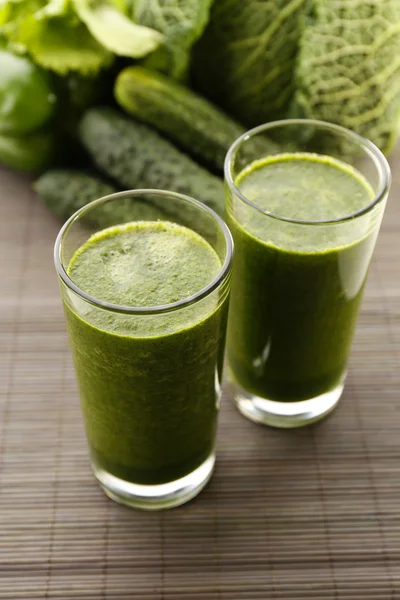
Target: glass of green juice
point(304, 202)
point(145, 278)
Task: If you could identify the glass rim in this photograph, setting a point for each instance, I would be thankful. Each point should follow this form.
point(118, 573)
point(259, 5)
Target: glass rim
point(369, 148)
point(221, 276)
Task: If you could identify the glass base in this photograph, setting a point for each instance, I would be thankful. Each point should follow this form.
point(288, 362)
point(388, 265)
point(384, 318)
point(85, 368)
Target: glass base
point(286, 414)
point(156, 497)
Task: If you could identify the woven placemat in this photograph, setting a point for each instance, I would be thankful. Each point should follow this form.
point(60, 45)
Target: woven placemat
point(312, 513)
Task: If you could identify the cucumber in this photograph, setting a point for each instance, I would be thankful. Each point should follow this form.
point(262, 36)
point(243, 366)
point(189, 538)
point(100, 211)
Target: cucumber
point(137, 157)
point(182, 115)
point(187, 119)
point(64, 192)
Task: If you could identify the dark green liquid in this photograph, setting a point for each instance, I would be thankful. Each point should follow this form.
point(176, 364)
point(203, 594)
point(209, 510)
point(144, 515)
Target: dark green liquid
point(148, 383)
point(296, 294)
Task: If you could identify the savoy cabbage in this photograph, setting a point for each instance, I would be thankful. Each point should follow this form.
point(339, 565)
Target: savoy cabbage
point(335, 60)
point(348, 68)
point(181, 22)
point(245, 61)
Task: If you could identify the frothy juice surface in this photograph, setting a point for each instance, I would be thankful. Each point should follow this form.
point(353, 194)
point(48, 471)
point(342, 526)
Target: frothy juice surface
point(304, 186)
point(144, 264)
point(296, 290)
point(147, 382)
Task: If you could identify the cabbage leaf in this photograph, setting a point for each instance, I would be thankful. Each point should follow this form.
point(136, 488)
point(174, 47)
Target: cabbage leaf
point(334, 60)
point(349, 67)
point(246, 59)
point(182, 22)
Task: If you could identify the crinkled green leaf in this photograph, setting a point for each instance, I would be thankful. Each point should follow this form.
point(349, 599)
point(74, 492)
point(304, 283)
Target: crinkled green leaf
point(56, 45)
point(349, 67)
point(181, 21)
point(52, 35)
point(74, 35)
point(115, 31)
point(246, 59)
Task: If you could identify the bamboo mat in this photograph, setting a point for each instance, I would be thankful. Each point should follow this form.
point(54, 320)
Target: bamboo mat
point(312, 513)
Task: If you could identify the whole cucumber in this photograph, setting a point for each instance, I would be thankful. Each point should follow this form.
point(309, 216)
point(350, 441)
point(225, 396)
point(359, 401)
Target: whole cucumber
point(66, 191)
point(186, 118)
point(137, 157)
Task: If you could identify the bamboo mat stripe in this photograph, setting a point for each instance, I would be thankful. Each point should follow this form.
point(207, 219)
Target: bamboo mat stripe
point(307, 514)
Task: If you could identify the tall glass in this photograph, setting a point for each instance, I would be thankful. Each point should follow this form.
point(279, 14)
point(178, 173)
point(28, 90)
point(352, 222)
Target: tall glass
point(149, 377)
point(297, 283)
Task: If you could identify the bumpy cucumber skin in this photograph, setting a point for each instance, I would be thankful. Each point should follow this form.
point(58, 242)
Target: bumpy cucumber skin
point(137, 157)
point(183, 116)
point(64, 192)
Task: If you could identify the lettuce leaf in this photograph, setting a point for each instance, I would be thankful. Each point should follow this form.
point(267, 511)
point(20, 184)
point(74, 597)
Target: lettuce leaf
point(181, 22)
point(54, 44)
point(53, 35)
point(114, 30)
point(74, 35)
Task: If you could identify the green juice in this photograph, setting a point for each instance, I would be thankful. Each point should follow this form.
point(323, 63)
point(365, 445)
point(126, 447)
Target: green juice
point(149, 384)
point(296, 294)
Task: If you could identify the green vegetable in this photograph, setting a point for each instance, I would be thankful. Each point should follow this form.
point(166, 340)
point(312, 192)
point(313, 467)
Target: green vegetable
point(64, 192)
point(333, 60)
point(182, 23)
point(74, 35)
point(348, 68)
point(26, 98)
point(246, 59)
point(31, 153)
point(51, 33)
point(107, 22)
point(188, 119)
point(138, 157)
point(27, 105)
